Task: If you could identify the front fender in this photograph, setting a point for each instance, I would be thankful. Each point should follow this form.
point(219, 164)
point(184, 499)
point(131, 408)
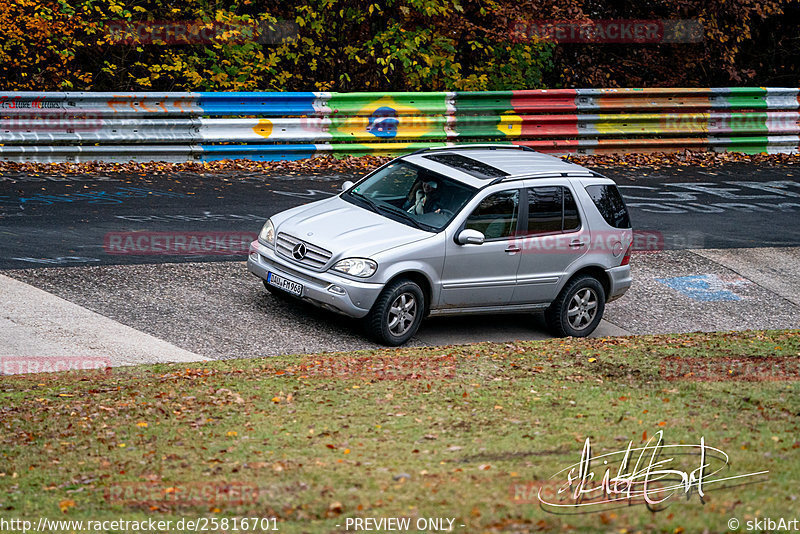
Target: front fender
point(423, 258)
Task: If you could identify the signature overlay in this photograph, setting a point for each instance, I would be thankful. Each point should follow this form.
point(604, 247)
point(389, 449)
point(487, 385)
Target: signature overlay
point(650, 475)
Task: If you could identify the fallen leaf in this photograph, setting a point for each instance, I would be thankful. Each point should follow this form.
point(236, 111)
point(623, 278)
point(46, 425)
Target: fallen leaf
point(66, 504)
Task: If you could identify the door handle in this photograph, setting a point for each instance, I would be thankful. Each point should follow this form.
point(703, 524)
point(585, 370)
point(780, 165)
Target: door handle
point(576, 244)
point(513, 249)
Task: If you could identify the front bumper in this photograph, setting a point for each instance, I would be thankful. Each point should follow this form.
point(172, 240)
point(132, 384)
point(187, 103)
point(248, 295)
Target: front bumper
point(620, 280)
point(354, 299)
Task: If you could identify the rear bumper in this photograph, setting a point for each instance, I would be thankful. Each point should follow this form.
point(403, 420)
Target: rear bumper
point(619, 281)
point(352, 298)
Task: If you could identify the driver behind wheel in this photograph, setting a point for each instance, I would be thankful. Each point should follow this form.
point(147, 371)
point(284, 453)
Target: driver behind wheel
point(424, 197)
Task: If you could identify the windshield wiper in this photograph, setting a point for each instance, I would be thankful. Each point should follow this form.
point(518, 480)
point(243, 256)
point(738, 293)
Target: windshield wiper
point(406, 216)
point(368, 201)
point(392, 209)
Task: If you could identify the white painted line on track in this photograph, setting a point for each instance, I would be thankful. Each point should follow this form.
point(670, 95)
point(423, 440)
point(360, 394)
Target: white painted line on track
point(38, 326)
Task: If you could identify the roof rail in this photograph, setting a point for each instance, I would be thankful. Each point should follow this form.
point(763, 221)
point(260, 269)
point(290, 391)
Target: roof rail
point(547, 174)
point(471, 146)
point(564, 174)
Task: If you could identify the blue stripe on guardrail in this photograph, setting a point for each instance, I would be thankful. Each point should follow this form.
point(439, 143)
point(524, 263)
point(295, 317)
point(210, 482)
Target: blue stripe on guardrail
point(257, 152)
point(264, 104)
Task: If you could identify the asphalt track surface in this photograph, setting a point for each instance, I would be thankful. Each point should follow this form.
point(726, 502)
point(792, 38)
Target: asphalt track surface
point(53, 230)
point(65, 220)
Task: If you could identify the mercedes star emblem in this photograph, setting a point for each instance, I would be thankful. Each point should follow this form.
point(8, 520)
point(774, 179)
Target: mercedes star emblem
point(299, 251)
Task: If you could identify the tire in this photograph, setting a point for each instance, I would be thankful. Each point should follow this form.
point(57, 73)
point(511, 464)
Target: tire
point(578, 309)
point(396, 315)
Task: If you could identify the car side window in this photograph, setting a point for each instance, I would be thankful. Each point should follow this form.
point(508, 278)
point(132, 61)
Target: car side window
point(552, 210)
point(572, 221)
point(496, 215)
point(544, 210)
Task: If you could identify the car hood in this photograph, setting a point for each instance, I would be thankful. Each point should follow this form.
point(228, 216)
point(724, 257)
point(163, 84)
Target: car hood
point(345, 229)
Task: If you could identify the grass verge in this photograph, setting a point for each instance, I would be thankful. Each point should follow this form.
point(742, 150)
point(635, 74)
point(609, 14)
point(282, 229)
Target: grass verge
point(448, 432)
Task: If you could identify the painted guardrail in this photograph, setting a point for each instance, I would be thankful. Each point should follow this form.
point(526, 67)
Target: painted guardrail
point(79, 126)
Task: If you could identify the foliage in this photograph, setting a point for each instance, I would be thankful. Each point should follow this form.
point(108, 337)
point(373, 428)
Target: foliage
point(338, 45)
point(744, 43)
point(365, 45)
point(37, 49)
point(363, 164)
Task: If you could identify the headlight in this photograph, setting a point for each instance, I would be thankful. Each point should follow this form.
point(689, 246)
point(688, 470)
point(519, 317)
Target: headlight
point(268, 233)
point(360, 267)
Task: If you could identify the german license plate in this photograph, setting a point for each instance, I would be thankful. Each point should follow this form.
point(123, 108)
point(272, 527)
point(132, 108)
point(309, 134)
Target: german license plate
point(287, 285)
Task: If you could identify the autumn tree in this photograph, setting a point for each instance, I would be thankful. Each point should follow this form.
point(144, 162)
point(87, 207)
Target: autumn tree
point(394, 45)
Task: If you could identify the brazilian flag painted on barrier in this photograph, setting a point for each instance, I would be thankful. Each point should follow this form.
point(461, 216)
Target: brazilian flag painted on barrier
point(486, 115)
point(402, 120)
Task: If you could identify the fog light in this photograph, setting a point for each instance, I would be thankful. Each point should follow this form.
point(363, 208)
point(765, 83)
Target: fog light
point(254, 256)
point(337, 290)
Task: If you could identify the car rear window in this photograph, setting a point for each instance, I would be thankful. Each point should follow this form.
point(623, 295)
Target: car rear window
point(610, 205)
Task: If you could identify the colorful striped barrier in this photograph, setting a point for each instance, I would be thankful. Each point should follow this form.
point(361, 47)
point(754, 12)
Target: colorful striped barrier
point(76, 126)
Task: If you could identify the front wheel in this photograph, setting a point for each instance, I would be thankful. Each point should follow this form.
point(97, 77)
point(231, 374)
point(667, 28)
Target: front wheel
point(397, 313)
point(578, 308)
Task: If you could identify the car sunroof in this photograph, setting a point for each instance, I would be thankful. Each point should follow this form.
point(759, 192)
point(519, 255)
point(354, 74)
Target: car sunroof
point(470, 166)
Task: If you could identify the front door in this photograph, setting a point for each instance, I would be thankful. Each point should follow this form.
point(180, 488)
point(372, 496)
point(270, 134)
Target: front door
point(484, 275)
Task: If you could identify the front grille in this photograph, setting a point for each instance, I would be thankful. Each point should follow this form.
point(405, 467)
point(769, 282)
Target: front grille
point(316, 257)
point(272, 265)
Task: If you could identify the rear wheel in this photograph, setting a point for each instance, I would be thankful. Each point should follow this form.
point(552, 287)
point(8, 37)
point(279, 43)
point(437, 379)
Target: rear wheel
point(397, 313)
point(578, 309)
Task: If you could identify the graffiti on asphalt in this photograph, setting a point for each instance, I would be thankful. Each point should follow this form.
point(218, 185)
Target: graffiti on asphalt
point(738, 196)
point(119, 196)
point(308, 194)
point(59, 260)
point(706, 287)
point(205, 216)
point(15, 178)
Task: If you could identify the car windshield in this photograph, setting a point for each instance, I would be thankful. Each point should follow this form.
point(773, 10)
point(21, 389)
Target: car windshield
point(412, 195)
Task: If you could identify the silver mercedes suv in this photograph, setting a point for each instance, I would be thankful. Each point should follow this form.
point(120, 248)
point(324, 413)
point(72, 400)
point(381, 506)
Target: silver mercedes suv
point(456, 230)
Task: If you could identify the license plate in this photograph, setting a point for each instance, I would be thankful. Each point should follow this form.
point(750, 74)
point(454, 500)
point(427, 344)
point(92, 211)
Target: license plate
point(287, 285)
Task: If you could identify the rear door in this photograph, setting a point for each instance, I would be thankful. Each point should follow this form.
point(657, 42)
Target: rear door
point(554, 235)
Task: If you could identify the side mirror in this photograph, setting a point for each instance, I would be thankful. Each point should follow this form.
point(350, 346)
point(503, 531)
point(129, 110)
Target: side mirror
point(347, 185)
point(470, 237)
